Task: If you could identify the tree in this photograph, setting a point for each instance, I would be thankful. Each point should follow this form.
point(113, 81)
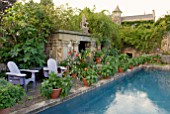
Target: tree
point(46, 2)
point(100, 25)
point(25, 29)
point(68, 18)
point(5, 4)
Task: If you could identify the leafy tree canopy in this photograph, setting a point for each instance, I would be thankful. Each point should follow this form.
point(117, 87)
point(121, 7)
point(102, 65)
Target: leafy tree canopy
point(25, 27)
point(46, 2)
point(5, 4)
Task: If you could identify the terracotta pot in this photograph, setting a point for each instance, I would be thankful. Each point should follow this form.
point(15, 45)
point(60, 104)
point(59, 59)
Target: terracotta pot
point(120, 70)
point(158, 61)
point(130, 67)
point(82, 60)
point(5, 111)
point(55, 94)
point(85, 82)
point(97, 60)
point(106, 77)
point(99, 73)
point(74, 75)
point(146, 63)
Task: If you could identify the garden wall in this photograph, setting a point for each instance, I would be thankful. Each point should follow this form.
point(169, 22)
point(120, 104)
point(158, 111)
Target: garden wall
point(165, 59)
point(2, 67)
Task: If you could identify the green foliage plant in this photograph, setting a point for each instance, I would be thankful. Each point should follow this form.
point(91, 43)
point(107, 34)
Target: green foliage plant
point(106, 70)
point(55, 82)
point(10, 94)
point(66, 86)
point(112, 63)
point(153, 59)
point(90, 75)
point(123, 61)
point(98, 53)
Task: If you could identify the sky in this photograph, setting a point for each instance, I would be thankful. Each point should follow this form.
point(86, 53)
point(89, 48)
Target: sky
point(128, 7)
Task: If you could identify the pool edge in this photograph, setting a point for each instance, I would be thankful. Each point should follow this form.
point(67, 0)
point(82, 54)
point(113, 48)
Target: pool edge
point(38, 107)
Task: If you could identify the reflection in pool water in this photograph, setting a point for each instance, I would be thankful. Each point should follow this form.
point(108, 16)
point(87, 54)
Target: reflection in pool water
point(144, 92)
point(133, 101)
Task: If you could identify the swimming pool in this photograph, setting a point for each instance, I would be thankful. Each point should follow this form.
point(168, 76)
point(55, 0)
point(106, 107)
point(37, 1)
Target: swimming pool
point(143, 92)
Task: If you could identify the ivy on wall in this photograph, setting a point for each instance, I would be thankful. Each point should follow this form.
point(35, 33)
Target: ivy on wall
point(143, 36)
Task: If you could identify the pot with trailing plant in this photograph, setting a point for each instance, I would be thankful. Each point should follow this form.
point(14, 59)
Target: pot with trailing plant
point(9, 95)
point(55, 86)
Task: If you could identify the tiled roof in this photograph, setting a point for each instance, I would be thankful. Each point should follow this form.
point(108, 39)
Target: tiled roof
point(117, 9)
point(138, 18)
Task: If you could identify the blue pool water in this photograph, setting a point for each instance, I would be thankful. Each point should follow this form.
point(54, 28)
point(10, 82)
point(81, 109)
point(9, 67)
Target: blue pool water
point(143, 92)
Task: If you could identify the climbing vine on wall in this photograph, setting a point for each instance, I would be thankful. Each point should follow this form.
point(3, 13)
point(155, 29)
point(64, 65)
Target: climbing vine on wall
point(145, 37)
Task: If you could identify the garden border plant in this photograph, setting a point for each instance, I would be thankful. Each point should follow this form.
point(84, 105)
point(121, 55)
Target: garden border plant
point(55, 82)
point(10, 94)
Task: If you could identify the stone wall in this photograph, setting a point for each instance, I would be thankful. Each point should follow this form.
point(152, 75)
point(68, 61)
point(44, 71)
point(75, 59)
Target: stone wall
point(61, 42)
point(165, 59)
point(165, 44)
point(2, 67)
point(132, 51)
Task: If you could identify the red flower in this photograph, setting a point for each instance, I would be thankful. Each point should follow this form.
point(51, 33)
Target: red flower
point(77, 55)
point(69, 52)
point(74, 51)
point(85, 69)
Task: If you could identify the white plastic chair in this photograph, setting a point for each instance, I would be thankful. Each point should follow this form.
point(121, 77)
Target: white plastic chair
point(16, 77)
point(52, 67)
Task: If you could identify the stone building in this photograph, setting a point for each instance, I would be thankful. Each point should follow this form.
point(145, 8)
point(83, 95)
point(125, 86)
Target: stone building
point(117, 18)
point(63, 41)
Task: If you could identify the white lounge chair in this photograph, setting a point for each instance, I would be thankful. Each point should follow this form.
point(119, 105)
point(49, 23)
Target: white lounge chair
point(52, 67)
point(16, 77)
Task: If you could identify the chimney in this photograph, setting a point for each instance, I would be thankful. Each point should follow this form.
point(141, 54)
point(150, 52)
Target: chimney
point(153, 14)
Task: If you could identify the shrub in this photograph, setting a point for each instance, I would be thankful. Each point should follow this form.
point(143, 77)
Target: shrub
point(10, 94)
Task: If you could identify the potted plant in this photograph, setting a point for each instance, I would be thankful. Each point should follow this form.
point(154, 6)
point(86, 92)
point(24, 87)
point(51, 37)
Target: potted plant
point(122, 65)
point(131, 63)
point(73, 71)
point(112, 64)
point(98, 55)
point(9, 95)
point(106, 71)
point(89, 76)
point(66, 85)
point(54, 86)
